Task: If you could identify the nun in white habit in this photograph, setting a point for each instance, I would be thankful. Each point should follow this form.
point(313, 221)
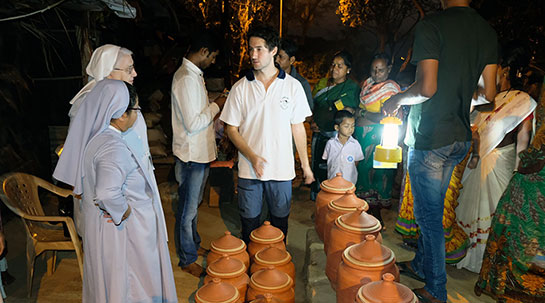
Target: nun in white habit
point(125, 242)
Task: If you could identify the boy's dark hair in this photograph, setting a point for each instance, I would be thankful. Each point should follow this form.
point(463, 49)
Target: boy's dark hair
point(132, 96)
point(346, 56)
point(288, 46)
point(341, 115)
point(203, 39)
point(382, 56)
point(266, 33)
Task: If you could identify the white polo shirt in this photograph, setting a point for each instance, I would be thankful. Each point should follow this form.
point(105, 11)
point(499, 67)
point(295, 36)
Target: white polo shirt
point(264, 120)
point(193, 136)
point(341, 158)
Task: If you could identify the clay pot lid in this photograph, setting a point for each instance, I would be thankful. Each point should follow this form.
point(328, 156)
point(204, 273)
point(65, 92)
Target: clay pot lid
point(225, 267)
point(337, 184)
point(369, 253)
point(386, 291)
point(271, 278)
point(267, 233)
point(217, 291)
point(266, 298)
point(228, 243)
point(348, 202)
point(273, 256)
point(359, 221)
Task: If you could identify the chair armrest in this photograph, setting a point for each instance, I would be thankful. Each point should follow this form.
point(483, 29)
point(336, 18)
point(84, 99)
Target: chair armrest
point(46, 218)
point(63, 192)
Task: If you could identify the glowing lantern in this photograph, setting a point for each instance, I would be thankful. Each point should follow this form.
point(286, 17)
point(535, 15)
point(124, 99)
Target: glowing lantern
point(388, 153)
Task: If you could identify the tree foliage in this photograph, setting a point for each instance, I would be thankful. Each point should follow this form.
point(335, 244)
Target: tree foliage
point(390, 20)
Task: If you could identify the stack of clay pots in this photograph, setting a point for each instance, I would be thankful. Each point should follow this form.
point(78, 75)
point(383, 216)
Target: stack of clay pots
point(276, 257)
point(363, 263)
point(264, 236)
point(348, 203)
point(218, 292)
point(273, 281)
point(385, 291)
point(331, 190)
point(229, 270)
point(347, 230)
point(272, 271)
point(229, 245)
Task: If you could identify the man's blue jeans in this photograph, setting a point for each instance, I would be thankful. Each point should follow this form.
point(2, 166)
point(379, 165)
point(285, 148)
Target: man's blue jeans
point(430, 172)
point(191, 178)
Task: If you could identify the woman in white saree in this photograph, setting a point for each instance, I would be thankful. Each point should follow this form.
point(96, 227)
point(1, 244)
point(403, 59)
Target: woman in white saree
point(503, 132)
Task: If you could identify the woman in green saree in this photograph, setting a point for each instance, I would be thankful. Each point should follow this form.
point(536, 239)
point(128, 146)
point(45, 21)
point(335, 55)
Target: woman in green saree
point(331, 94)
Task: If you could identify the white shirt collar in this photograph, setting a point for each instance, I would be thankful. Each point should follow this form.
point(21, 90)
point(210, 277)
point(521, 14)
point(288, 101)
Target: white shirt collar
point(192, 67)
point(113, 128)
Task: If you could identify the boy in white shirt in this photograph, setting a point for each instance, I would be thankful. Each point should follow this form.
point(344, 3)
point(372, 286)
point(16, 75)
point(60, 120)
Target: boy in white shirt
point(343, 152)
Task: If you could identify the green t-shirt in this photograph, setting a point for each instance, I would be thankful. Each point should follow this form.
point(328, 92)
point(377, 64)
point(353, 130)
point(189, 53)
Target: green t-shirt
point(347, 92)
point(463, 43)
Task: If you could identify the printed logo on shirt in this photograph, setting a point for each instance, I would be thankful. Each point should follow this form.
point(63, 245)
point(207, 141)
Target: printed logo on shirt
point(350, 159)
point(284, 102)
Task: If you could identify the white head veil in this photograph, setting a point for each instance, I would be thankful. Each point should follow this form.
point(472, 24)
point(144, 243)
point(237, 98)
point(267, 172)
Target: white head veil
point(108, 100)
point(102, 63)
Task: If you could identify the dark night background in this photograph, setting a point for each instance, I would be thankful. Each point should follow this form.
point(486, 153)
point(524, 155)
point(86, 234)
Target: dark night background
point(43, 56)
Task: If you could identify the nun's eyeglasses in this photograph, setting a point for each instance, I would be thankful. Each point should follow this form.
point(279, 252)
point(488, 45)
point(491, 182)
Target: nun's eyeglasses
point(128, 70)
point(135, 108)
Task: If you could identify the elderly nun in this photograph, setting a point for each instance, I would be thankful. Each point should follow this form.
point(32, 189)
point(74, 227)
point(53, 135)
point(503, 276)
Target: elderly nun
point(125, 241)
point(107, 62)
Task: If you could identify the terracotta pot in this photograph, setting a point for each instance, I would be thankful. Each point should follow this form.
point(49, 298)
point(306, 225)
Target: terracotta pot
point(348, 203)
point(266, 298)
point(330, 190)
point(273, 281)
point(217, 292)
point(229, 245)
point(276, 257)
point(263, 237)
point(363, 263)
point(385, 291)
point(347, 230)
point(229, 270)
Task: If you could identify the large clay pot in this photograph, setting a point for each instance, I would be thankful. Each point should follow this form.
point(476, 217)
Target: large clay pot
point(348, 203)
point(385, 291)
point(266, 298)
point(276, 257)
point(330, 190)
point(229, 270)
point(347, 230)
point(363, 263)
point(263, 237)
point(229, 245)
point(273, 281)
point(217, 292)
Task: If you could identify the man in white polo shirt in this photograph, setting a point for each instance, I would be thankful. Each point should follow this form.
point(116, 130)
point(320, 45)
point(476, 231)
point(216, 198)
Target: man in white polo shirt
point(264, 111)
point(193, 144)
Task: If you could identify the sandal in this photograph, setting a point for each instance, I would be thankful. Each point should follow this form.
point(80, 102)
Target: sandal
point(406, 269)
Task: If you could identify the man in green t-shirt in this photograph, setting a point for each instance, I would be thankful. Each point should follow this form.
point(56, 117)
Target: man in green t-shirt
point(452, 49)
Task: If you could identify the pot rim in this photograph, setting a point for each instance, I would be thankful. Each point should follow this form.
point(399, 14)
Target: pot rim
point(347, 256)
point(364, 300)
point(288, 283)
point(343, 225)
point(258, 260)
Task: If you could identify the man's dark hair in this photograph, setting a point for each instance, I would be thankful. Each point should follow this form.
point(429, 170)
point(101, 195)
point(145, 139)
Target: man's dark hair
point(381, 56)
point(346, 56)
point(288, 46)
point(204, 39)
point(341, 115)
point(266, 33)
point(133, 96)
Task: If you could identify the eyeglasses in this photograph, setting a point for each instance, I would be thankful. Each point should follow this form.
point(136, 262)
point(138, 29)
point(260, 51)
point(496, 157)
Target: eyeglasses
point(128, 70)
point(134, 108)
